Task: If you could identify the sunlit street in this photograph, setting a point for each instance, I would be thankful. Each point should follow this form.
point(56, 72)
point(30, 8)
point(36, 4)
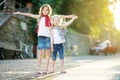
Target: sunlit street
point(78, 68)
point(59, 39)
point(104, 69)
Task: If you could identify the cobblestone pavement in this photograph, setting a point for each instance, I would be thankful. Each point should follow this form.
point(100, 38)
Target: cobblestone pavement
point(23, 69)
point(26, 69)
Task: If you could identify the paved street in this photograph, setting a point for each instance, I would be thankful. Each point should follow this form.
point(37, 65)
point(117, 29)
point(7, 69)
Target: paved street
point(26, 68)
point(104, 69)
point(78, 68)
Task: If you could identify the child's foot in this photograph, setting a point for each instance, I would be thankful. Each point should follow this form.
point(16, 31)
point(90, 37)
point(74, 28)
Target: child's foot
point(63, 72)
point(40, 72)
point(46, 71)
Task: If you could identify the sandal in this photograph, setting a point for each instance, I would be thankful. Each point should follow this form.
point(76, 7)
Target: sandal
point(63, 72)
point(40, 72)
point(45, 72)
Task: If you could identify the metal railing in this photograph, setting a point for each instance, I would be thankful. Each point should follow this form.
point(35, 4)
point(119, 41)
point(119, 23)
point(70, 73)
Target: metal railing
point(6, 14)
point(2, 2)
point(19, 6)
point(2, 5)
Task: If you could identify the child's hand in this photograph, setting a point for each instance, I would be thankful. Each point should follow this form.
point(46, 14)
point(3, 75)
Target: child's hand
point(16, 12)
point(75, 17)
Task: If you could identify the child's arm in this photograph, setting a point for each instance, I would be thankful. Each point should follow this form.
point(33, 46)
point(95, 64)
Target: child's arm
point(51, 38)
point(27, 14)
point(67, 16)
point(69, 22)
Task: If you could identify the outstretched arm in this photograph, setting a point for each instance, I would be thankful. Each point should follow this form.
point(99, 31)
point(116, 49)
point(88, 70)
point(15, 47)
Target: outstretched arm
point(27, 14)
point(70, 21)
point(67, 16)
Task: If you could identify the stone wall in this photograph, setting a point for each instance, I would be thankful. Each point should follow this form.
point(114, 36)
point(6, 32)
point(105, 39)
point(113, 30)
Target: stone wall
point(14, 32)
point(77, 44)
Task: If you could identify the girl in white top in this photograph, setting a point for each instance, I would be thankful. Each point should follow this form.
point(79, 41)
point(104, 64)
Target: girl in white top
point(58, 39)
point(44, 32)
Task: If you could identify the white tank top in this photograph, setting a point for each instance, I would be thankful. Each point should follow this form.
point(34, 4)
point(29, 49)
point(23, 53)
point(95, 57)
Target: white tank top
point(43, 30)
point(57, 35)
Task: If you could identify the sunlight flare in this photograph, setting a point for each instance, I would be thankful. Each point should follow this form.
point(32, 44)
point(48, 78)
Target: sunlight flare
point(115, 8)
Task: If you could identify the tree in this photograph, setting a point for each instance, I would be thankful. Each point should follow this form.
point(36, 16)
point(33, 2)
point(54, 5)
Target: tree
point(94, 15)
point(55, 4)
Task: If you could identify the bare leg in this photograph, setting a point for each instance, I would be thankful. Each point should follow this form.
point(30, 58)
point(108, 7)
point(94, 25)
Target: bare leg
point(62, 66)
point(40, 52)
point(47, 58)
point(53, 66)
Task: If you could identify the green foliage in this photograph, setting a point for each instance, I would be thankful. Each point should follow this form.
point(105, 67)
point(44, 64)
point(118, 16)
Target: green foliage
point(55, 4)
point(94, 15)
point(32, 31)
point(72, 30)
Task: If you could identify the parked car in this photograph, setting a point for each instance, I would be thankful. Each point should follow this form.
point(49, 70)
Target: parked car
point(104, 47)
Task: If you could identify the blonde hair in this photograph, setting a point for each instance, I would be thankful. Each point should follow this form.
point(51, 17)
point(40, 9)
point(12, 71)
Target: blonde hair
point(58, 16)
point(49, 8)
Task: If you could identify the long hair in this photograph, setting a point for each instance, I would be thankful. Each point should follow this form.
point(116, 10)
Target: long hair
point(41, 9)
point(49, 9)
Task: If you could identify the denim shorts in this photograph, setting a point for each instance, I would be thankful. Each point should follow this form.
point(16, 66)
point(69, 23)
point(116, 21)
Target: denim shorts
point(43, 42)
point(58, 48)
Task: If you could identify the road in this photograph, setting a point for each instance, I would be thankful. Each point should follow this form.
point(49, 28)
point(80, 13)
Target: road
point(91, 68)
point(77, 67)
